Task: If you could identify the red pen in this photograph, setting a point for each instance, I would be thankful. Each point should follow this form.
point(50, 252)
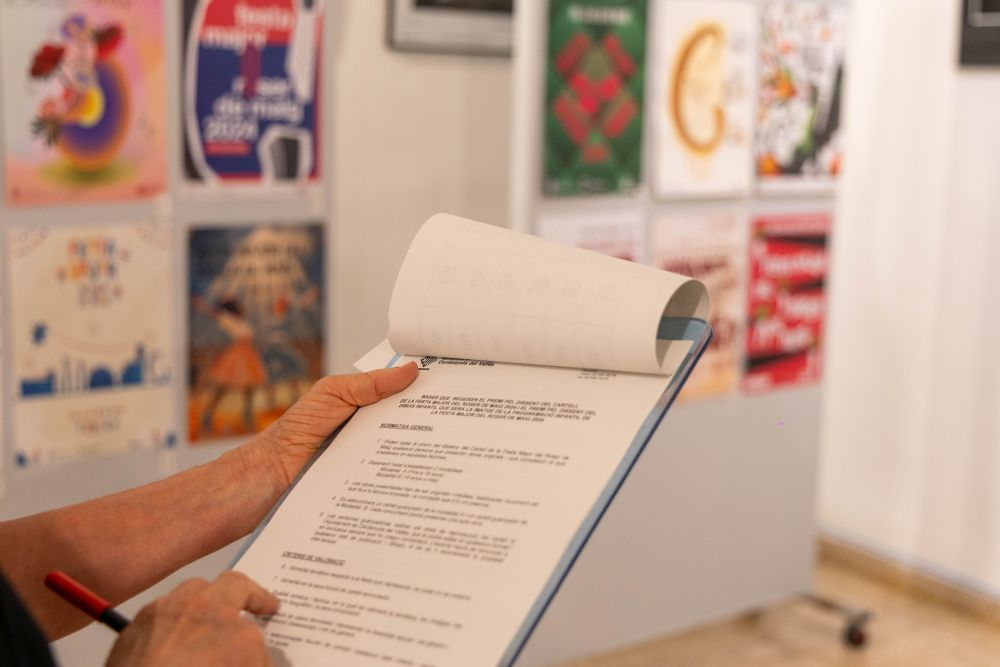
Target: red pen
point(86, 600)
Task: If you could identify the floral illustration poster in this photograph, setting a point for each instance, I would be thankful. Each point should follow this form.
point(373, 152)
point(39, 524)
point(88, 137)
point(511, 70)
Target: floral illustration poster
point(92, 341)
point(256, 325)
point(84, 116)
point(786, 302)
point(594, 96)
point(702, 82)
point(799, 138)
point(251, 92)
point(710, 247)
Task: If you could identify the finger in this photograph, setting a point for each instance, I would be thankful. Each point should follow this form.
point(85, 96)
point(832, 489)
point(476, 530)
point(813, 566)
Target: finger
point(237, 590)
point(363, 389)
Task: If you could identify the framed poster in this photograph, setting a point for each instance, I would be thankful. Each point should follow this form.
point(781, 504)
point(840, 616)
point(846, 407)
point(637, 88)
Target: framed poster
point(616, 233)
point(93, 351)
point(251, 81)
point(84, 92)
point(980, 32)
point(474, 27)
point(786, 301)
point(256, 325)
point(702, 74)
point(594, 96)
point(709, 246)
point(798, 147)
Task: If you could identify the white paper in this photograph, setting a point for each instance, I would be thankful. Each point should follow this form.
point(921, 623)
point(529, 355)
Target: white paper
point(426, 531)
point(475, 291)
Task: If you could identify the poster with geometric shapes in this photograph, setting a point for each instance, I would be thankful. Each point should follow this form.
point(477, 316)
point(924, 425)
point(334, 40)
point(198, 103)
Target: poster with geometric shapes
point(93, 350)
point(786, 301)
point(709, 246)
point(799, 143)
point(84, 117)
point(593, 96)
point(702, 79)
point(613, 233)
point(251, 92)
point(256, 325)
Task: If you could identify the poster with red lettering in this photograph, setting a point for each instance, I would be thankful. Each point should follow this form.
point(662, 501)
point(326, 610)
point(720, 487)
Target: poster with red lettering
point(786, 303)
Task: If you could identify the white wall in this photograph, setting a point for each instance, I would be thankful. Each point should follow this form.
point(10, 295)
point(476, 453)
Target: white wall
point(414, 134)
point(911, 422)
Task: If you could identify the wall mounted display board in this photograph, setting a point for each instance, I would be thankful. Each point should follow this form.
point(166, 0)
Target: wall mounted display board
point(92, 351)
point(83, 84)
point(595, 79)
point(709, 246)
point(701, 98)
point(256, 325)
point(252, 74)
point(801, 81)
point(476, 27)
point(980, 42)
point(615, 233)
point(786, 305)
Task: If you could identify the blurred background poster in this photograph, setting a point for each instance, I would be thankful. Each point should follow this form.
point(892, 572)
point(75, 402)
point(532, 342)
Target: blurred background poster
point(84, 100)
point(618, 233)
point(256, 325)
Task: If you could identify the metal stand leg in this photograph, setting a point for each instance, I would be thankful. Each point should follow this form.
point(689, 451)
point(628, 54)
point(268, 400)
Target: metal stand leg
point(856, 619)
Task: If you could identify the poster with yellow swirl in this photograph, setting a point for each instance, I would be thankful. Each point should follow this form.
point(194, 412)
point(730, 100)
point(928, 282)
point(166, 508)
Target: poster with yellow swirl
point(93, 368)
point(702, 84)
point(84, 114)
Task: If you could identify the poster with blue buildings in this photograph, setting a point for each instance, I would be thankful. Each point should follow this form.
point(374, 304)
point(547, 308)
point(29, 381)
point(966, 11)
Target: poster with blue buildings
point(93, 357)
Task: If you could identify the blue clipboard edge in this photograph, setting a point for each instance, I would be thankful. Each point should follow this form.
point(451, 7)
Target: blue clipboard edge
point(671, 328)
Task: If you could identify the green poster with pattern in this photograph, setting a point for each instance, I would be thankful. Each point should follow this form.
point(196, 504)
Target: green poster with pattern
point(593, 96)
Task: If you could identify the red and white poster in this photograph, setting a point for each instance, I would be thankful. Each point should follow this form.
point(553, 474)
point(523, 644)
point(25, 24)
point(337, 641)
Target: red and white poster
point(786, 304)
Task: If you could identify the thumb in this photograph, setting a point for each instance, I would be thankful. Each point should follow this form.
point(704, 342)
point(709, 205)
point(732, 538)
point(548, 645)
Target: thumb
point(362, 389)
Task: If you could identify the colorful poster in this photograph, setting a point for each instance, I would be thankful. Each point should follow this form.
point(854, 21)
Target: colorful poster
point(84, 117)
point(593, 96)
point(701, 100)
point(787, 300)
point(709, 246)
point(614, 233)
point(256, 325)
point(799, 142)
point(92, 341)
point(251, 99)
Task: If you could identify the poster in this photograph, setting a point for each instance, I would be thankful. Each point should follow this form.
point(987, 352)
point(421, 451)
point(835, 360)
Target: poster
point(613, 233)
point(92, 341)
point(980, 39)
point(799, 139)
point(256, 325)
point(251, 92)
point(710, 247)
point(702, 78)
point(594, 96)
point(786, 302)
point(84, 117)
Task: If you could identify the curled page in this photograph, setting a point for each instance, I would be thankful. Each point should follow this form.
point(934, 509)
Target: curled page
point(476, 291)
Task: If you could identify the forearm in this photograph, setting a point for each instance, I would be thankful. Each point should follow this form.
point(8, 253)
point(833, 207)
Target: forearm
point(120, 545)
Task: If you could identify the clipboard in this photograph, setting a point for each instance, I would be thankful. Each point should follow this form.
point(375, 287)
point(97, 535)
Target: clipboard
point(699, 333)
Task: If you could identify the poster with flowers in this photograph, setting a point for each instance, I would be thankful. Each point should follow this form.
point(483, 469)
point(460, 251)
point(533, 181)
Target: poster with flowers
point(84, 116)
point(798, 145)
point(786, 303)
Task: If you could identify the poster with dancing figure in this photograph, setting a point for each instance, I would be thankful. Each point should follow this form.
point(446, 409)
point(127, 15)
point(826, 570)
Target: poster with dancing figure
point(786, 302)
point(702, 85)
point(596, 66)
point(711, 247)
point(256, 325)
point(84, 113)
point(251, 93)
point(799, 142)
point(92, 346)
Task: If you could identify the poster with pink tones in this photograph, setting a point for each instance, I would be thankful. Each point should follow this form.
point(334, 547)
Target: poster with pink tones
point(786, 303)
point(84, 114)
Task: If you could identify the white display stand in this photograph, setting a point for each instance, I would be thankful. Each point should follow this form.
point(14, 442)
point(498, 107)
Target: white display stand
point(717, 518)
